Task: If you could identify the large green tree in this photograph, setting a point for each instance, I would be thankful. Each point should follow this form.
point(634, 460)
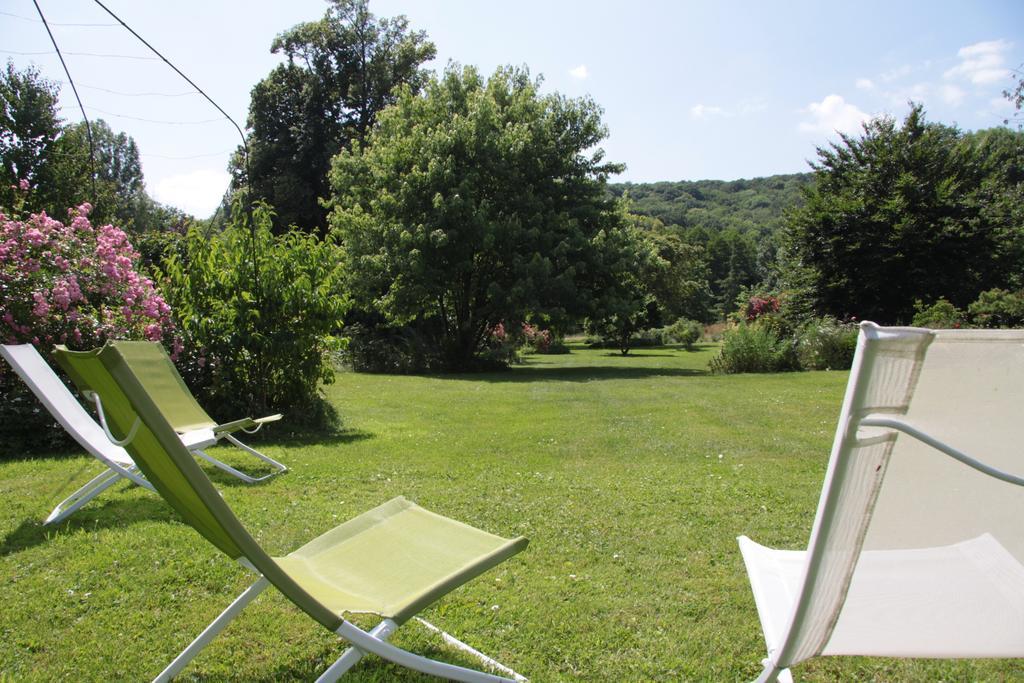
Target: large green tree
point(340, 72)
point(906, 212)
point(476, 202)
point(658, 278)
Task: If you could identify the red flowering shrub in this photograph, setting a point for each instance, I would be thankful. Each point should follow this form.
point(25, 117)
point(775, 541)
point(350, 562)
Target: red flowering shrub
point(759, 306)
point(537, 339)
point(71, 284)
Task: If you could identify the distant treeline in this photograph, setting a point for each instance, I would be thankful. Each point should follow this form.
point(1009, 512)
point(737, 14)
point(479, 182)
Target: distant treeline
point(755, 205)
point(738, 224)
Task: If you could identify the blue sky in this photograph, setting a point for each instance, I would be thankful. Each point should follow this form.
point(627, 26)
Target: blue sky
point(690, 90)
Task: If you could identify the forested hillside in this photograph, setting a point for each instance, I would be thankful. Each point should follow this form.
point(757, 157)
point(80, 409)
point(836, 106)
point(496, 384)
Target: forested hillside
point(735, 222)
point(747, 205)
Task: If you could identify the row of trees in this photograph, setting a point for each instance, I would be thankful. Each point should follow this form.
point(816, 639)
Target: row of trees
point(450, 206)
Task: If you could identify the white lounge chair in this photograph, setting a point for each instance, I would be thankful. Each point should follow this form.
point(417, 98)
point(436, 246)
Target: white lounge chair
point(66, 409)
point(917, 549)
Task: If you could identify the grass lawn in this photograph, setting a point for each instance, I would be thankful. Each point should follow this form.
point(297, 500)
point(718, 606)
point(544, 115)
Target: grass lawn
point(631, 476)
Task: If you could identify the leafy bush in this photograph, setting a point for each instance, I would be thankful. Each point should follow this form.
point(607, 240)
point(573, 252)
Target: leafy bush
point(826, 344)
point(753, 348)
point(685, 332)
point(71, 284)
point(259, 315)
point(940, 315)
point(998, 308)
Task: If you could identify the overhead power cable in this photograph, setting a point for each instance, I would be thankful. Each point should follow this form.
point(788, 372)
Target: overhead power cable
point(139, 94)
point(88, 126)
point(52, 23)
point(78, 54)
point(116, 18)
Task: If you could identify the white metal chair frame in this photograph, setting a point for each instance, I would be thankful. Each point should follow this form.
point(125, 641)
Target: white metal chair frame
point(373, 641)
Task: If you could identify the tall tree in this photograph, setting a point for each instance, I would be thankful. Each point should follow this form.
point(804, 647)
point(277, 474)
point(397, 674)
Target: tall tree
point(29, 126)
point(478, 202)
point(908, 212)
point(120, 194)
point(341, 71)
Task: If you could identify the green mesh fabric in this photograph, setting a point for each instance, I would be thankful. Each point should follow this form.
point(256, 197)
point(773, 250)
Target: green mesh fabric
point(394, 560)
point(159, 377)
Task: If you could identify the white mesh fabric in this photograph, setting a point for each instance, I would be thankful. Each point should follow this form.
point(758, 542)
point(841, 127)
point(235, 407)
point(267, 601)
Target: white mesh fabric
point(882, 380)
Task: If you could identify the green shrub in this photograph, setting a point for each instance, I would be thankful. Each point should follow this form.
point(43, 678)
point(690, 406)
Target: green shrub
point(258, 315)
point(685, 332)
point(998, 308)
point(753, 348)
point(826, 344)
point(941, 315)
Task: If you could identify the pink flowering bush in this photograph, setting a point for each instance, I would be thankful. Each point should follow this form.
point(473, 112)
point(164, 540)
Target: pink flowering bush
point(74, 284)
point(66, 283)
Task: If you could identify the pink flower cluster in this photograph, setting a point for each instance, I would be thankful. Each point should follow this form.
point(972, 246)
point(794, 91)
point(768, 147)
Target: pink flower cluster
point(74, 284)
point(539, 339)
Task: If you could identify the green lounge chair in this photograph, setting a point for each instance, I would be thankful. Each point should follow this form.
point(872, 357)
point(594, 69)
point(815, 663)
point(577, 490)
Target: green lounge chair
point(392, 561)
point(161, 379)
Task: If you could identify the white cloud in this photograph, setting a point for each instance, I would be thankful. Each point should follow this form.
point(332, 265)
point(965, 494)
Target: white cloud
point(833, 114)
point(579, 72)
point(981, 63)
point(198, 192)
point(952, 94)
point(865, 84)
point(704, 111)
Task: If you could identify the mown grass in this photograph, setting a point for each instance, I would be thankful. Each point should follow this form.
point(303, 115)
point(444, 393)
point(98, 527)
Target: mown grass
point(631, 476)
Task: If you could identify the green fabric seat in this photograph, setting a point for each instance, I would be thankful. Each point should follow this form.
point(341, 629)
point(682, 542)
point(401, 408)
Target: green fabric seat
point(391, 561)
point(394, 560)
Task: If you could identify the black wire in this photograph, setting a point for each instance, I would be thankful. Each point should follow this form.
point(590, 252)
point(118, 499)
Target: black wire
point(245, 145)
point(88, 126)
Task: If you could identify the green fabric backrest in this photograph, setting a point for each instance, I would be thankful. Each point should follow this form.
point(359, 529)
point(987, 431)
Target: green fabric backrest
point(160, 378)
point(159, 453)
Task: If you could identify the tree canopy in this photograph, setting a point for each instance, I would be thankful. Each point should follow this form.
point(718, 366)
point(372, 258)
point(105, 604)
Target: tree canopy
point(911, 211)
point(479, 202)
point(341, 71)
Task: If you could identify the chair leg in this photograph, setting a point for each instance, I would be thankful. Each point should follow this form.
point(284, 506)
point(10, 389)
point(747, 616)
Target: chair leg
point(366, 642)
point(211, 631)
point(226, 467)
point(280, 467)
point(95, 486)
point(773, 674)
point(455, 642)
point(352, 655)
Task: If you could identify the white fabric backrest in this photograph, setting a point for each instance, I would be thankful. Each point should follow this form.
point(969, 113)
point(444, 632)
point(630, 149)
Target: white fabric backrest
point(51, 391)
point(970, 395)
